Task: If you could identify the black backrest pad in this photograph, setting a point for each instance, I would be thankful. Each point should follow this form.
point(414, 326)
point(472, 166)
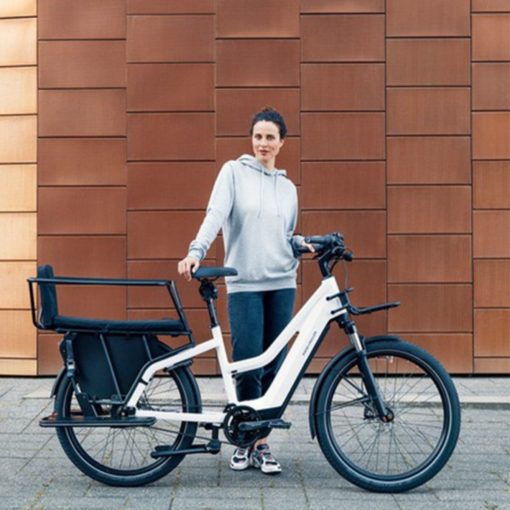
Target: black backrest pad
point(48, 293)
point(128, 354)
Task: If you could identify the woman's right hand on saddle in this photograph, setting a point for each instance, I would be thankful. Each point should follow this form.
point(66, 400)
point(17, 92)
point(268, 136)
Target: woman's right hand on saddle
point(187, 266)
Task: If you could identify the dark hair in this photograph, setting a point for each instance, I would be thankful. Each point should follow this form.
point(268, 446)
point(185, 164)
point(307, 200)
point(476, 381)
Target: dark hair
point(269, 114)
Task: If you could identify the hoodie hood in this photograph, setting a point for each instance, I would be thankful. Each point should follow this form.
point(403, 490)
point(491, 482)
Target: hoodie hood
point(253, 163)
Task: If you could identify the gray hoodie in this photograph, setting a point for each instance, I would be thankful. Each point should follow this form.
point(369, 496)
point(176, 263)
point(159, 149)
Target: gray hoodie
point(257, 210)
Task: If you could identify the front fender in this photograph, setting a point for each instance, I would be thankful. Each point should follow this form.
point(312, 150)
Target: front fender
point(327, 369)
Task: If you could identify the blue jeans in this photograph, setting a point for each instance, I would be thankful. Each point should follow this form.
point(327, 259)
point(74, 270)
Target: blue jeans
point(256, 319)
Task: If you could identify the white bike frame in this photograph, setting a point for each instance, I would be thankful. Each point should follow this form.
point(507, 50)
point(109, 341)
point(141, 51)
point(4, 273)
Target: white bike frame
point(309, 324)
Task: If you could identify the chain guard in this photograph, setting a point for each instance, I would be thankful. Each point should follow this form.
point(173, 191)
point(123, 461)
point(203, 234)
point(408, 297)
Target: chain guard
point(236, 415)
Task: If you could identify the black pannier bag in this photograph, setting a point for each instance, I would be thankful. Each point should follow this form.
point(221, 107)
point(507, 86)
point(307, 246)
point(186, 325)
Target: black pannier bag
point(127, 354)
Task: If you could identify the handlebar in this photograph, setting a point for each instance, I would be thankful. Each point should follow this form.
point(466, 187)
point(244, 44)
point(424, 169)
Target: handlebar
point(329, 250)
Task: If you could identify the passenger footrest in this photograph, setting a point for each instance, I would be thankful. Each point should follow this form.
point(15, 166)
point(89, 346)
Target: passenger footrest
point(81, 421)
point(248, 426)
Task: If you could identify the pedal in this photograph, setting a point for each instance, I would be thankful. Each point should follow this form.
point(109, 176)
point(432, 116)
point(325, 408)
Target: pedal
point(248, 426)
point(213, 447)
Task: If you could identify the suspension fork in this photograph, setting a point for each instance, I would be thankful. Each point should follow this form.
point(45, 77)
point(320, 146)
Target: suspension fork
point(371, 385)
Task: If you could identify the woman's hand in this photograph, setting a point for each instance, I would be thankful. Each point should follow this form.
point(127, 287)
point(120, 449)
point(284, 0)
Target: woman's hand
point(310, 247)
point(187, 266)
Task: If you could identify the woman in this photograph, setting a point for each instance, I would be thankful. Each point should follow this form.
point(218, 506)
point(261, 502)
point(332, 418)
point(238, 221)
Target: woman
point(256, 206)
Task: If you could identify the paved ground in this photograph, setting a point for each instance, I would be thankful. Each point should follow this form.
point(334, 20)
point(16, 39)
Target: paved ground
point(35, 474)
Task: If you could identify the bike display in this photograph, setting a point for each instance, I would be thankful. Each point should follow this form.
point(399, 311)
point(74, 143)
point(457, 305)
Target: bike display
point(127, 406)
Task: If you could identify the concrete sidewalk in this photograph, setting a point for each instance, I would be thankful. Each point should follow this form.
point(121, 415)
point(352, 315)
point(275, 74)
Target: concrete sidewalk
point(35, 473)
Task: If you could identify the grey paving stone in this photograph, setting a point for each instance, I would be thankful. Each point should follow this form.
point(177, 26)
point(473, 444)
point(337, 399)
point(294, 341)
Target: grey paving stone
point(136, 503)
point(215, 504)
point(80, 503)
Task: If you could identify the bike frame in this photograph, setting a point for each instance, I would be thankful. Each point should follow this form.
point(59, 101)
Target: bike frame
point(309, 324)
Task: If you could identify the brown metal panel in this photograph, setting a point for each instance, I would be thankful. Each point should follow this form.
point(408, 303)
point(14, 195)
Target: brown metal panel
point(170, 185)
point(430, 18)
point(364, 231)
point(257, 18)
point(491, 37)
point(343, 185)
point(18, 41)
point(162, 235)
point(81, 161)
point(492, 366)
point(13, 284)
point(491, 234)
point(18, 90)
point(18, 8)
point(429, 111)
point(49, 360)
point(491, 184)
point(182, 136)
point(347, 6)
point(492, 283)
point(492, 332)
point(343, 136)
point(289, 157)
point(18, 138)
point(96, 302)
point(422, 259)
point(171, 7)
point(238, 63)
point(82, 19)
point(79, 64)
point(19, 231)
point(157, 297)
point(491, 6)
point(170, 87)
point(429, 160)
point(19, 188)
point(442, 308)
point(342, 87)
point(81, 210)
point(106, 256)
point(18, 367)
point(491, 86)
point(428, 61)
point(429, 209)
point(18, 334)
point(491, 133)
point(235, 108)
point(170, 38)
point(453, 350)
point(340, 38)
point(82, 113)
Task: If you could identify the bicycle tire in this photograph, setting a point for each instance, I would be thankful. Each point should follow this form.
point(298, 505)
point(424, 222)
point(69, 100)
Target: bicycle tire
point(121, 456)
point(433, 416)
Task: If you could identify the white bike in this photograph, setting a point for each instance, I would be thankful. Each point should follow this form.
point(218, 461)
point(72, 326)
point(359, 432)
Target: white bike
point(127, 406)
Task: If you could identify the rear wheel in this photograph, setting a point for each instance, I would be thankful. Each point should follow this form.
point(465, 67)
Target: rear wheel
point(122, 456)
point(417, 441)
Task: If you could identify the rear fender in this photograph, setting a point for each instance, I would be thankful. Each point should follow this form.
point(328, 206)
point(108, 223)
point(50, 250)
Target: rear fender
point(327, 369)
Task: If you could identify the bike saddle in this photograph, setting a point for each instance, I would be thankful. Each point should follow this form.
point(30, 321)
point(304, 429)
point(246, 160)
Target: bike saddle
point(213, 272)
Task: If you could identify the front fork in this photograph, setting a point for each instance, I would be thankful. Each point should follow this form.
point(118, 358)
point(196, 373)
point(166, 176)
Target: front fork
point(371, 385)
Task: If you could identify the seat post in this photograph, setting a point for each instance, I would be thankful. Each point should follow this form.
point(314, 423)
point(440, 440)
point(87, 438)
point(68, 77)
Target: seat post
point(209, 294)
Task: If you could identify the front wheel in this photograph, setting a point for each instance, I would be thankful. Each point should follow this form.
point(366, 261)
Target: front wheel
point(122, 456)
point(405, 451)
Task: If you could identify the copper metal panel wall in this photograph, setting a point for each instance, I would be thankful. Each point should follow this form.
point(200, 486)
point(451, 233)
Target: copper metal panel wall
point(399, 136)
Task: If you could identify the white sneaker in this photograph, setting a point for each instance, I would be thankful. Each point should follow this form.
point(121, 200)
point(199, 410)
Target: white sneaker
point(261, 458)
point(240, 459)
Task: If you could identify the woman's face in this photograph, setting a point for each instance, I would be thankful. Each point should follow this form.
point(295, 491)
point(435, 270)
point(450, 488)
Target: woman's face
point(266, 142)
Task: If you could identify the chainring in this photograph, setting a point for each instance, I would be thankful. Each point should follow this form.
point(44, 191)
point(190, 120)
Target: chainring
point(235, 415)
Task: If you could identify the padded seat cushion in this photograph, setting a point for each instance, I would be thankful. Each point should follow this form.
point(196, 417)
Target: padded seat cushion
point(104, 326)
